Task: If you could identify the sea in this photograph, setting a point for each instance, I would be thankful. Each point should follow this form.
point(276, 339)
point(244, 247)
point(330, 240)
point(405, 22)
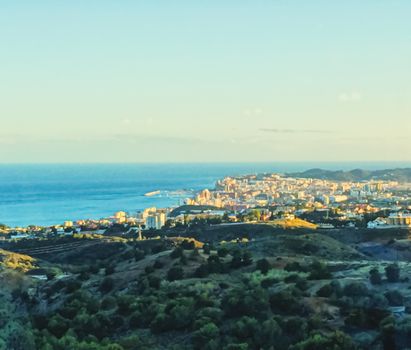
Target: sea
point(49, 194)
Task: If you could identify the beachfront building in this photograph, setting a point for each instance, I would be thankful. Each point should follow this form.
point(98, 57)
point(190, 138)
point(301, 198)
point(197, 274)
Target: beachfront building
point(400, 219)
point(394, 220)
point(156, 221)
point(120, 217)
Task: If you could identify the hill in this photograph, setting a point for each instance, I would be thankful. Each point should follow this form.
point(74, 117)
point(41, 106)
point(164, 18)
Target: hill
point(16, 261)
point(187, 209)
point(244, 286)
point(400, 175)
point(294, 223)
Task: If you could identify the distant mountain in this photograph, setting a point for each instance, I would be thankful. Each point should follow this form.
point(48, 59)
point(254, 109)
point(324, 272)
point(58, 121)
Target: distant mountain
point(400, 175)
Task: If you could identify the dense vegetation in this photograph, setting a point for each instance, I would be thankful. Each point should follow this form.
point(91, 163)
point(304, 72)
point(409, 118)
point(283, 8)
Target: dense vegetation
point(293, 291)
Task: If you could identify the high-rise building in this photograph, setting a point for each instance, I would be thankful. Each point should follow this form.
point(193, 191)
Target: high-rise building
point(120, 217)
point(156, 221)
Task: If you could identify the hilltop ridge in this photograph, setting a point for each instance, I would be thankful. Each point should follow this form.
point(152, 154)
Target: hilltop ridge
point(398, 174)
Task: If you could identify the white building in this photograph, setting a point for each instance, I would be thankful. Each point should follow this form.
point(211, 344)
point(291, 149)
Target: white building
point(394, 220)
point(155, 221)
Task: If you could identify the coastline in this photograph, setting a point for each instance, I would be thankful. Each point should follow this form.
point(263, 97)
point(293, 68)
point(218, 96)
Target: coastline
point(47, 194)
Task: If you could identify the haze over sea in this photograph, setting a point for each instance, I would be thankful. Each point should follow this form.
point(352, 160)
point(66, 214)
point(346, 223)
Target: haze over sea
point(48, 194)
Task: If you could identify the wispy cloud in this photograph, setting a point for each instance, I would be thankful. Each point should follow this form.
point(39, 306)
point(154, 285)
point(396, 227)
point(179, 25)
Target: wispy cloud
point(293, 131)
point(256, 111)
point(349, 96)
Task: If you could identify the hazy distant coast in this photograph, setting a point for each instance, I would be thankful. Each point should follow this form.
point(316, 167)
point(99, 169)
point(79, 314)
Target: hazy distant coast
point(398, 174)
point(46, 194)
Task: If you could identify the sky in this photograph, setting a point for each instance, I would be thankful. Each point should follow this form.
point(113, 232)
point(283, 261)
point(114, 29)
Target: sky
point(204, 81)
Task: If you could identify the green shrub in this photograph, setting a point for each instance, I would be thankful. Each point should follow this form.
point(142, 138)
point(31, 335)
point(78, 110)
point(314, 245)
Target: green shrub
point(394, 298)
point(108, 303)
point(158, 264)
point(177, 253)
point(202, 271)
point(375, 276)
point(319, 271)
point(107, 285)
point(325, 291)
point(263, 265)
point(393, 273)
point(222, 252)
point(175, 273)
point(206, 333)
point(356, 289)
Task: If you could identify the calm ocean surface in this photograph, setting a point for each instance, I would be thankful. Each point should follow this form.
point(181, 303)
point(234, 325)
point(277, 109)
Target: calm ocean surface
point(51, 194)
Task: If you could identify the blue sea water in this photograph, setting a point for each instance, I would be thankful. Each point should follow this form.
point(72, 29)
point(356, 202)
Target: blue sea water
point(44, 194)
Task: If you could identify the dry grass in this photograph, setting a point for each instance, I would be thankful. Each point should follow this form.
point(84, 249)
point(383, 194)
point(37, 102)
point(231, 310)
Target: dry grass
point(294, 223)
point(16, 261)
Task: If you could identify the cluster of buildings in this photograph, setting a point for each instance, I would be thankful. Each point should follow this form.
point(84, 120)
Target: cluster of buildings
point(401, 219)
point(354, 201)
point(267, 190)
point(260, 198)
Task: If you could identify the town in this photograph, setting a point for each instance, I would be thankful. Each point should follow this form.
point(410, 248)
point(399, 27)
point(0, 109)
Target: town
point(267, 198)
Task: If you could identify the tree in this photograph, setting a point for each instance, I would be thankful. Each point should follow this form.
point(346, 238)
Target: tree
point(295, 266)
point(93, 305)
point(206, 249)
point(238, 346)
point(51, 275)
point(57, 326)
point(387, 331)
point(241, 258)
point(393, 273)
point(124, 303)
point(325, 291)
point(177, 253)
point(84, 275)
point(108, 303)
point(356, 289)
point(183, 259)
point(236, 260)
point(255, 215)
point(394, 298)
point(139, 254)
point(206, 333)
point(175, 273)
point(245, 302)
point(109, 270)
point(285, 302)
point(107, 285)
point(319, 271)
point(72, 286)
point(214, 264)
point(149, 269)
point(222, 252)
point(375, 276)
point(188, 244)
point(202, 271)
point(267, 334)
point(246, 327)
point(158, 264)
point(247, 258)
point(337, 341)
point(263, 265)
point(154, 282)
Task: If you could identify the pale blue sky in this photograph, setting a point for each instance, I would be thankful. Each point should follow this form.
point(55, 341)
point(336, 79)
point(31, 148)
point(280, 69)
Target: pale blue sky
point(138, 81)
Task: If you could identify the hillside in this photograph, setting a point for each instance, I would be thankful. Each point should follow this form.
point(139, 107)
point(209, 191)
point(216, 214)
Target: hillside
point(400, 175)
point(260, 288)
point(16, 261)
point(187, 209)
point(294, 223)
